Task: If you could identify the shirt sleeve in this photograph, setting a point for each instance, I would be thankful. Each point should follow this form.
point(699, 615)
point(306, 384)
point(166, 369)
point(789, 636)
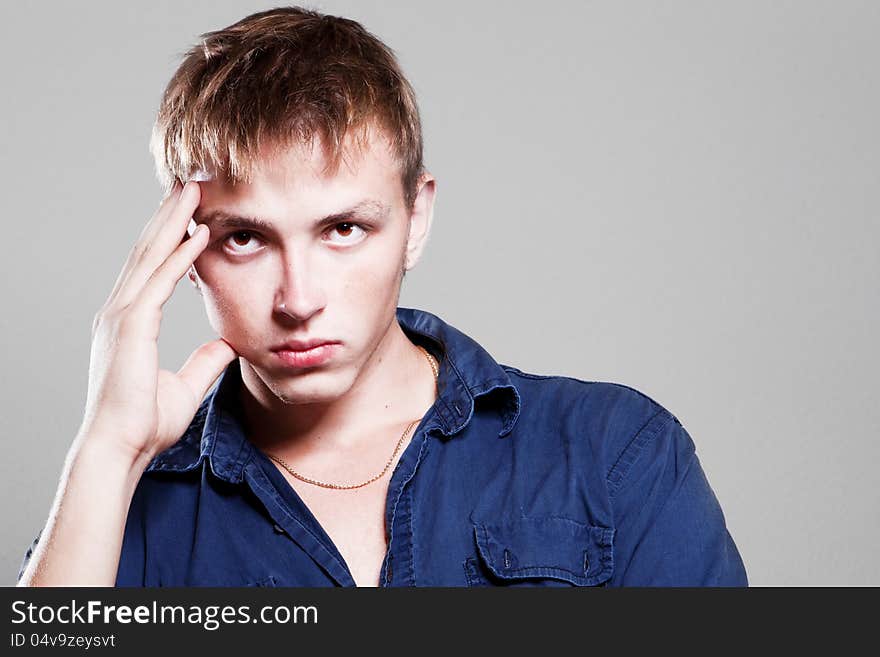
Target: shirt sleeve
point(670, 529)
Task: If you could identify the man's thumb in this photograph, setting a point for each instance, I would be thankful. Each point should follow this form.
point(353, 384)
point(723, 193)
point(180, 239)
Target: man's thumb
point(205, 365)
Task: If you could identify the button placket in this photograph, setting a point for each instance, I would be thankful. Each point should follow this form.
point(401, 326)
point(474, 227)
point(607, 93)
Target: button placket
point(399, 512)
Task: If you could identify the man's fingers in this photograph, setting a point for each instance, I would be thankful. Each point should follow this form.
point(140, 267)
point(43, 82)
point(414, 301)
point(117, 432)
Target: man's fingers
point(204, 365)
point(161, 241)
point(161, 285)
point(144, 238)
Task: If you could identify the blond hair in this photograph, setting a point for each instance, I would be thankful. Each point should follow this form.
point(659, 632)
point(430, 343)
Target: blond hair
point(279, 78)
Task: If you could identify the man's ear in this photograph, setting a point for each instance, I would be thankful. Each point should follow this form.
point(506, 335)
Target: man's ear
point(420, 220)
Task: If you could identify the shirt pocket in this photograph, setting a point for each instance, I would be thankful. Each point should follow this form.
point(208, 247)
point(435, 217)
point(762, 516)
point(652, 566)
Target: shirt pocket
point(540, 551)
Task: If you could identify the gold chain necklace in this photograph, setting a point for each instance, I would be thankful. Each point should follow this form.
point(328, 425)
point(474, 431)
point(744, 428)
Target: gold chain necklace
point(436, 370)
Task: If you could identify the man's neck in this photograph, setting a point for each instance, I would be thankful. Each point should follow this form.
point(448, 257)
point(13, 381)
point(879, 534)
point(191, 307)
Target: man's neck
point(395, 386)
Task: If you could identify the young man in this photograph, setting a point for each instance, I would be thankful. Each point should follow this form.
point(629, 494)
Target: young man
point(342, 440)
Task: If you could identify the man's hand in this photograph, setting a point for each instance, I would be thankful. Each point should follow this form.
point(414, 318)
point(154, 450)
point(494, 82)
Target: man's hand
point(132, 406)
point(134, 410)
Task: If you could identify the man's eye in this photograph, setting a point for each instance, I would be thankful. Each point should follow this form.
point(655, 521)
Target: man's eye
point(244, 242)
point(239, 242)
point(350, 233)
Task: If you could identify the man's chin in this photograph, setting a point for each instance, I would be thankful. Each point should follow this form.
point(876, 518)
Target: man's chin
point(304, 386)
point(311, 394)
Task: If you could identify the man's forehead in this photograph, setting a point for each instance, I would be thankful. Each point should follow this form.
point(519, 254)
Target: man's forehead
point(297, 180)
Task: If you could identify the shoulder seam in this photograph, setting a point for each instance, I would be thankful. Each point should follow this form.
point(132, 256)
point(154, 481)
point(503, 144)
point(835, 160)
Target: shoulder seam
point(659, 421)
point(529, 375)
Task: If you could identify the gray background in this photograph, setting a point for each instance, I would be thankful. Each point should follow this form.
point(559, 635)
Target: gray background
point(678, 196)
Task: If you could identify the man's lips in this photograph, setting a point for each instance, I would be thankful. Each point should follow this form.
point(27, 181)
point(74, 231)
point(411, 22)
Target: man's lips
point(299, 354)
point(302, 345)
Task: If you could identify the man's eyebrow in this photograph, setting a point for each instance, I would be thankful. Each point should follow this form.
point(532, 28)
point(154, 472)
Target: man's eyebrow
point(218, 219)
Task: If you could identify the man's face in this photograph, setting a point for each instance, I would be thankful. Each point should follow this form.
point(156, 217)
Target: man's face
point(336, 269)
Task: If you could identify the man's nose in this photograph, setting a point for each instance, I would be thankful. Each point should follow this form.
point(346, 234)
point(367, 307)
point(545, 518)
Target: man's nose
point(301, 293)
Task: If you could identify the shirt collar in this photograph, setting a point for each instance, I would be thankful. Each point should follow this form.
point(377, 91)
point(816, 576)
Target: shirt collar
point(467, 372)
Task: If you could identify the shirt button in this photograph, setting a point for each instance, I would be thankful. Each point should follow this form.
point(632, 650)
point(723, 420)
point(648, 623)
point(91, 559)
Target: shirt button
point(278, 528)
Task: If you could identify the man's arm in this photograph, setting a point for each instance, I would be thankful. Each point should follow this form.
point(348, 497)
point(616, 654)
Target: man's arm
point(134, 409)
point(671, 530)
point(82, 540)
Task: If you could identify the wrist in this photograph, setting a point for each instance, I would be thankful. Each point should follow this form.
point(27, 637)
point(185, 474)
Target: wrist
point(96, 446)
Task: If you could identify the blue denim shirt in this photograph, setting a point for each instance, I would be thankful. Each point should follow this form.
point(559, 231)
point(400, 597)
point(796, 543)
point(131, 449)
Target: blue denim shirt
point(511, 479)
